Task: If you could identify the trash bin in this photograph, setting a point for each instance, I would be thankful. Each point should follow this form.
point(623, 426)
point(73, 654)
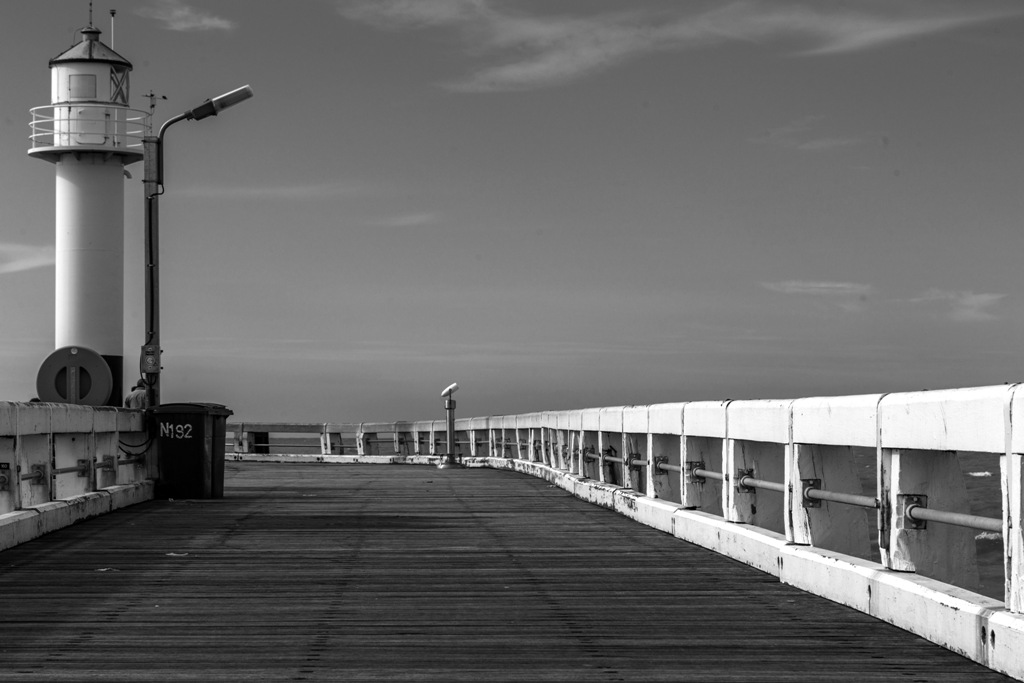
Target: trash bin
point(190, 442)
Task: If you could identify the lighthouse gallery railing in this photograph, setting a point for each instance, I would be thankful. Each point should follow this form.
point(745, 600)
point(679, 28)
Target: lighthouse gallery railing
point(88, 126)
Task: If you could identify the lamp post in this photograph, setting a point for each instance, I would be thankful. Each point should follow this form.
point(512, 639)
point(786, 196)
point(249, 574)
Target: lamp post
point(449, 461)
point(154, 186)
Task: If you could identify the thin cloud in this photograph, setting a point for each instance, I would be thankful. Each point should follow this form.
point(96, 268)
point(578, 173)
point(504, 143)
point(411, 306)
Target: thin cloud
point(848, 296)
point(801, 134)
point(964, 306)
point(15, 258)
point(545, 51)
point(393, 14)
point(818, 288)
point(178, 16)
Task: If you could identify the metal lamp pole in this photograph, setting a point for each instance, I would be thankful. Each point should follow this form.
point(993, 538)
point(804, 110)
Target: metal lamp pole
point(153, 146)
point(449, 461)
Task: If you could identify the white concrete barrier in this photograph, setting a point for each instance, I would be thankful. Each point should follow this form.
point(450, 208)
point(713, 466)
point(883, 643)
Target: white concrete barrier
point(60, 464)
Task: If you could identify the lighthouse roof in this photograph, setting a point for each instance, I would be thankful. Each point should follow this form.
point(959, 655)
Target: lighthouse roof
point(90, 49)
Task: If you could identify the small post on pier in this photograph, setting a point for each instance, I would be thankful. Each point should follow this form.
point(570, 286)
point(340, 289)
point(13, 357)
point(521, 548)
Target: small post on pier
point(449, 461)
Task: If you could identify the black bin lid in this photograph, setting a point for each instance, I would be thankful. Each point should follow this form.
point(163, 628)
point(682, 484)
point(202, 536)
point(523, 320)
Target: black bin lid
point(193, 408)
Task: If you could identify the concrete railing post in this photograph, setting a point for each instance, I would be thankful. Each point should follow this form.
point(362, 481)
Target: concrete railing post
point(664, 446)
point(941, 551)
point(610, 443)
point(919, 436)
point(759, 434)
point(34, 449)
point(1012, 487)
point(241, 437)
point(326, 443)
point(590, 425)
point(703, 444)
point(635, 426)
point(828, 434)
point(522, 439)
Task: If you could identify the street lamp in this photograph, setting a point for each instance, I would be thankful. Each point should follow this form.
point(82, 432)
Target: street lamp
point(153, 147)
point(449, 461)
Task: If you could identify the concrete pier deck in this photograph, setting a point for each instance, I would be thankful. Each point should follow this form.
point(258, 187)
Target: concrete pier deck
point(350, 572)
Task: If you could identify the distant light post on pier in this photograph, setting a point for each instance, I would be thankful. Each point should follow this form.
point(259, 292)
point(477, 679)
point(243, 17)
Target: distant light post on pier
point(449, 461)
point(154, 185)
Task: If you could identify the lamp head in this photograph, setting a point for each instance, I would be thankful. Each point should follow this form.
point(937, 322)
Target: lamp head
point(450, 390)
point(219, 103)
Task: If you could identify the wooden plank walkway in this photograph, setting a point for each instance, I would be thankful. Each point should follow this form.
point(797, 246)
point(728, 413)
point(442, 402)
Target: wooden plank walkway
point(351, 572)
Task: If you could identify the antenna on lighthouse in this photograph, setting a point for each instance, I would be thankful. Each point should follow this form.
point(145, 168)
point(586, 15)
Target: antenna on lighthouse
point(113, 12)
point(153, 97)
point(90, 12)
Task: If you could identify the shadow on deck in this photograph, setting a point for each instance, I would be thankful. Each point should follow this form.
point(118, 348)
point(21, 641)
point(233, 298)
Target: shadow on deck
point(352, 572)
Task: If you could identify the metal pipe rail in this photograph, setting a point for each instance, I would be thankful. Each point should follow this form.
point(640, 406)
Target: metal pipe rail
point(747, 481)
point(918, 513)
point(109, 463)
point(82, 468)
point(744, 481)
point(811, 493)
point(708, 474)
point(664, 466)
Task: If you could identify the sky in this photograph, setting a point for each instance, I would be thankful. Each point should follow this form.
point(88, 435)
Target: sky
point(557, 204)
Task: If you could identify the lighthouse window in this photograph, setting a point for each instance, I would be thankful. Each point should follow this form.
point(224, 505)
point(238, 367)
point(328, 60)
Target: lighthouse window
point(83, 86)
point(119, 85)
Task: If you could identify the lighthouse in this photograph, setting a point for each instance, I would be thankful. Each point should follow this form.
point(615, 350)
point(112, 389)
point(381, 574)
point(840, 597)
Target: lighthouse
point(90, 135)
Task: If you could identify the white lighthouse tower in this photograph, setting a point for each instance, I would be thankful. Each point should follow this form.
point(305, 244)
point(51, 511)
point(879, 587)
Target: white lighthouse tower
point(90, 135)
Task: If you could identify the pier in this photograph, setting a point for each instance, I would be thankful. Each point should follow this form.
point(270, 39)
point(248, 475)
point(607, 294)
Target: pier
point(308, 571)
point(645, 541)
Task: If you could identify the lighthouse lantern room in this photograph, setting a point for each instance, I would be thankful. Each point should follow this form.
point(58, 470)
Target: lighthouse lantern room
point(90, 134)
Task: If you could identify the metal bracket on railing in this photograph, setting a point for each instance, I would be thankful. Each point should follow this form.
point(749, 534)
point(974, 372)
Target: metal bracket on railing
point(740, 475)
point(905, 504)
point(810, 484)
point(107, 463)
point(36, 475)
point(691, 467)
point(5, 476)
point(659, 460)
point(635, 462)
